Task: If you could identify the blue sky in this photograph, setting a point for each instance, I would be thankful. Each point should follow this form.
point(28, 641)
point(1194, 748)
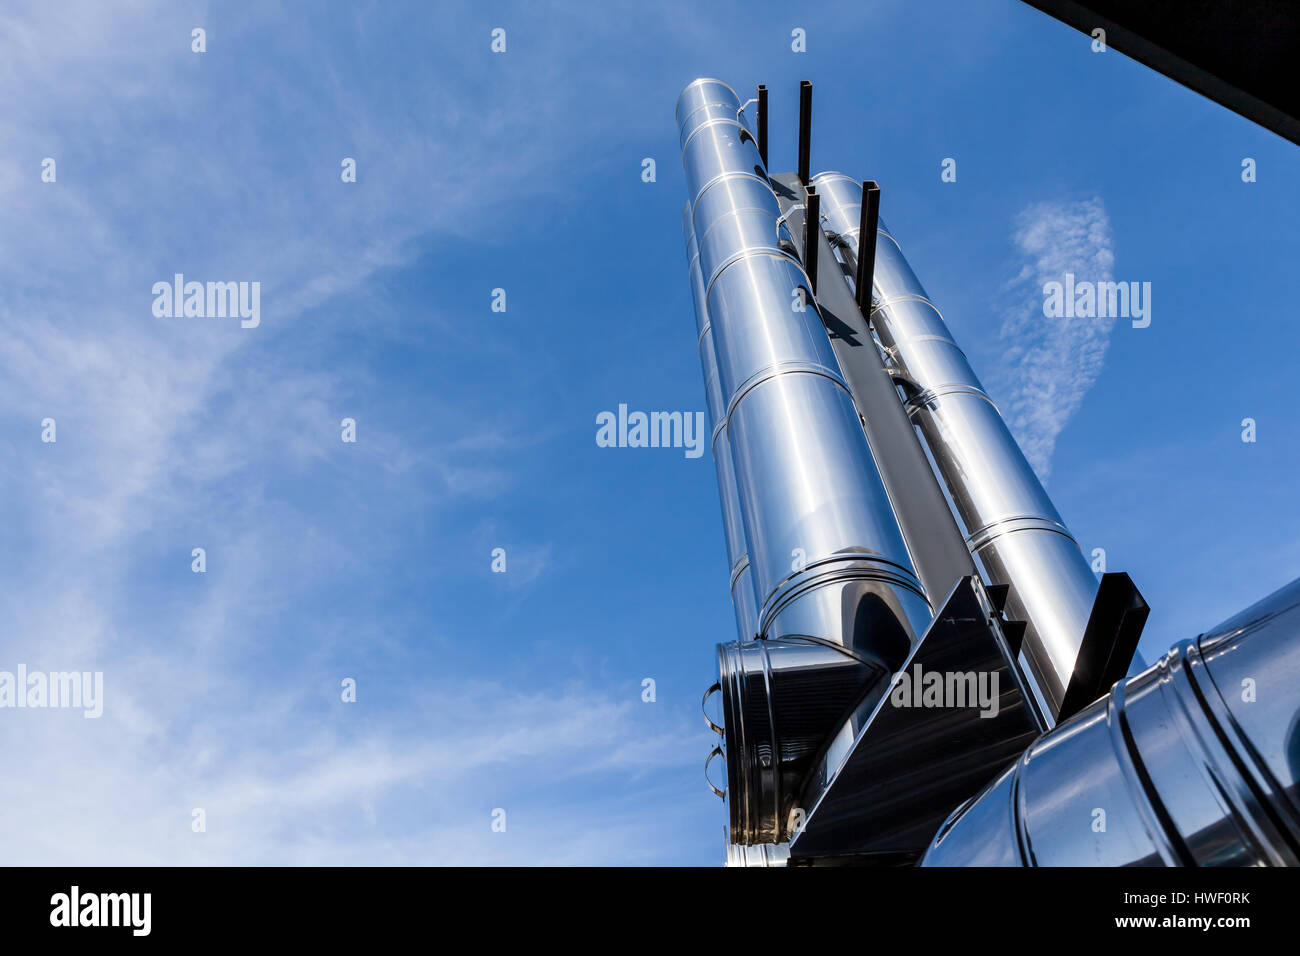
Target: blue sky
point(476, 430)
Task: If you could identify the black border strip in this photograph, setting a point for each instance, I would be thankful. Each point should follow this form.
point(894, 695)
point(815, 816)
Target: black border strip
point(1235, 54)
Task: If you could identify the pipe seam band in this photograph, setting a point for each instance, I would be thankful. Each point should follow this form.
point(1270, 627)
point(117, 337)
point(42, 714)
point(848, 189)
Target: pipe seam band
point(734, 214)
point(832, 177)
point(931, 395)
point(685, 121)
point(856, 231)
point(838, 567)
point(748, 252)
point(704, 334)
point(878, 304)
point(716, 121)
point(1189, 700)
point(722, 178)
point(981, 538)
point(737, 569)
point(755, 252)
point(701, 81)
point(894, 349)
point(776, 370)
point(1157, 823)
point(719, 427)
point(1220, 717)
point(1019, 812)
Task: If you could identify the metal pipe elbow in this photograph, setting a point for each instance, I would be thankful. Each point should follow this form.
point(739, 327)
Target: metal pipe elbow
point(1193, 762)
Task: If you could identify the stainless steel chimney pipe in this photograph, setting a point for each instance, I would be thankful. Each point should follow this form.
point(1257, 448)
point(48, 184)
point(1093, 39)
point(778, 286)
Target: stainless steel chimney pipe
point(742, 584)
point(813, 506)
point(828, 560)
point(1011, 526)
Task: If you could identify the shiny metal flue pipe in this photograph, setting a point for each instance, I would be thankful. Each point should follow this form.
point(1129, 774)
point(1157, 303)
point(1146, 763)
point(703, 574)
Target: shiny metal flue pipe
point(813, 506)
point(742, 585)
point(1011, 526)
point(827, 556)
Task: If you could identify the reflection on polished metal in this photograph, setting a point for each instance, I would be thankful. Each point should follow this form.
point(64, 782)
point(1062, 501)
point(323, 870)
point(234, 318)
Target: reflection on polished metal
point(763, 855)
point(934, 541)
point(742, 586)
point(1011, 526)
point(835, 588)
point(1194, 762)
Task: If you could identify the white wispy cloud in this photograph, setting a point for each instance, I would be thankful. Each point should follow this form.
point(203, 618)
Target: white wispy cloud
point(277, 789)
point(222, 690)
point(1050, 363)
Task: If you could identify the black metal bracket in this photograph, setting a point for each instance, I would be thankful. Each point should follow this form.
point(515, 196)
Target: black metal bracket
point(998, 594)
point(805, 129)
point(1114, 626)
point(762, 124)
point(812, 225)
point(867, 227)
point(1014, 632)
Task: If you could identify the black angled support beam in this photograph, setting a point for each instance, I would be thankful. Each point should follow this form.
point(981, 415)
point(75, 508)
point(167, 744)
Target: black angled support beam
point(911, 765)
point(998, 594)
point(1239, 54)
point(812, 222)
point(1014, 632)
point(805, 129)
point(762, 123)
point(867, 244)
point(1109, 640)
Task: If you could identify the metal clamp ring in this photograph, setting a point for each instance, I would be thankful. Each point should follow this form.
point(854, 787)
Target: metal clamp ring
point(715, 752)
point(717, 686)
point(782, 218)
